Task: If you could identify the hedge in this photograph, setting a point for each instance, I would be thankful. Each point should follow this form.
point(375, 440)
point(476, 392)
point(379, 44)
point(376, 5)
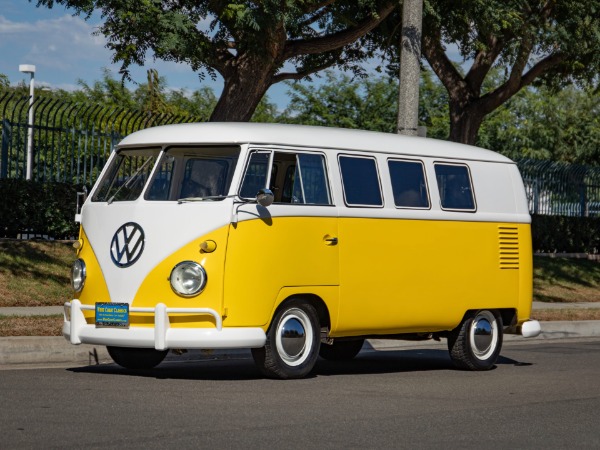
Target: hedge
point(565, 234)
point(38, 209)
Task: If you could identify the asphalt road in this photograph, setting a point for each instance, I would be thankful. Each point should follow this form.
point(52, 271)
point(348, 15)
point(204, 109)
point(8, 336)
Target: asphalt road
point(543, 394)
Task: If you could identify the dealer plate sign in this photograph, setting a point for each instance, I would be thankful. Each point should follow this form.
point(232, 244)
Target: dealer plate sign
point(112, 315)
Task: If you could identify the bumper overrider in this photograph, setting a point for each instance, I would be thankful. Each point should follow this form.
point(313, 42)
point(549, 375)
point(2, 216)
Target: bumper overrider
point(162, 336)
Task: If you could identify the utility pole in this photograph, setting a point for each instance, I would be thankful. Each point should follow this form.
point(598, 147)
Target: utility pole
point(410, 69)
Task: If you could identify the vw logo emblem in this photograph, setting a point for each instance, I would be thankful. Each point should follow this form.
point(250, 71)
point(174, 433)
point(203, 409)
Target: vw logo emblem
point(127, 245)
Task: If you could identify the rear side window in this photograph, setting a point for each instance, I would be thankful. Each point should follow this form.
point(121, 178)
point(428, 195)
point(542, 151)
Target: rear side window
point(456, 189)
point(361, 181)
point(409, 184)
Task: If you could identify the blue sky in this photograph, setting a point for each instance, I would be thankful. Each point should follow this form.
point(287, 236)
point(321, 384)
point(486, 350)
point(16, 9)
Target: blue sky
point(64, 50)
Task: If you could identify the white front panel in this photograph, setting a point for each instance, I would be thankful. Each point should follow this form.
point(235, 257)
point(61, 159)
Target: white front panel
point(167, 226)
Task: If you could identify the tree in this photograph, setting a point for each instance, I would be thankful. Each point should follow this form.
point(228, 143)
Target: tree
point(251, 44)
point(541, 124)
point(533, 42)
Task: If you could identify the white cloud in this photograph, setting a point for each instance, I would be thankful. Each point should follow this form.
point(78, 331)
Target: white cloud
point(62, 43)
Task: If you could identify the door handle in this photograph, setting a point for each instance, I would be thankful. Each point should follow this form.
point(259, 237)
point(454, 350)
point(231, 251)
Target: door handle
point(330, 240)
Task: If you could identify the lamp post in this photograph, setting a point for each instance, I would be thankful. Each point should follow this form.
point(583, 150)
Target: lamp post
point(30, 69)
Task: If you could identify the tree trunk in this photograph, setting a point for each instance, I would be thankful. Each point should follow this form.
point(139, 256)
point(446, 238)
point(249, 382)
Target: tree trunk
point(465, 121)
point(242, 92)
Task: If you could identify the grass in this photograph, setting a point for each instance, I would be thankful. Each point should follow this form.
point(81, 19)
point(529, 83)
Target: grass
point(563, 280)
point(36, 273)
point(31, 325)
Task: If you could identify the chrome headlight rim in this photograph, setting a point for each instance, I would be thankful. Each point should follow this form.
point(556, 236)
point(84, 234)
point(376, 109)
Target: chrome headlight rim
point(78, 275)
point(178, 278)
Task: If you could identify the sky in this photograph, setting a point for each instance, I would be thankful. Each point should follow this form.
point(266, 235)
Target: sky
point(64, 50)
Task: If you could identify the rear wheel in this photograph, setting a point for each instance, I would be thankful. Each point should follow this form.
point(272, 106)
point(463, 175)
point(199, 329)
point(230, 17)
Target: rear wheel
point(292, 345)
point(476, 343)
point(341, 350)
point(137, 358)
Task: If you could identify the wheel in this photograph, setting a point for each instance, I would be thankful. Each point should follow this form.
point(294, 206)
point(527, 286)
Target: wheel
point(475, 344)
point(293, 341)
point(136, 358)
point(341, 350)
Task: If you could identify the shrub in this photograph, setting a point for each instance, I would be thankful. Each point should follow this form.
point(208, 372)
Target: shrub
point(566, 234)
point(35, 208)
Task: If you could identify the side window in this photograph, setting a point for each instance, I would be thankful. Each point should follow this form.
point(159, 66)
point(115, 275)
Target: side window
point(299, 178)
point(454, 184)
point(255, 177)
point(305, 181)
point(409, 184)
point(361, 181)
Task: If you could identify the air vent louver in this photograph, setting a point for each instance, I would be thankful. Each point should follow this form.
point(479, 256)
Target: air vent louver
point(508, 239)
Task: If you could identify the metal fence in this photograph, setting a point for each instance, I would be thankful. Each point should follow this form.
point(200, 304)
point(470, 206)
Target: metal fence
point(71, 141)
point(561, 189)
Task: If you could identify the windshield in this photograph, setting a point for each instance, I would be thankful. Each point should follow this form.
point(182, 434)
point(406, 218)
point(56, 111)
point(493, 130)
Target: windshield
point(180, 173)
point(125, 178)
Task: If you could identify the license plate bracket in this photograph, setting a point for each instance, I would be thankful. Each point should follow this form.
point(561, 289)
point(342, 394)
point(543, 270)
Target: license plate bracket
point(112, 315)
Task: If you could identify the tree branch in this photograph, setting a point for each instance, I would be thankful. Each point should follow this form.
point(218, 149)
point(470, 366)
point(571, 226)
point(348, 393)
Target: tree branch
point(442, 66)
point(337, 40)
point(496, 98)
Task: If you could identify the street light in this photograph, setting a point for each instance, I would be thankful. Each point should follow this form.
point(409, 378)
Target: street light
point(30, 69)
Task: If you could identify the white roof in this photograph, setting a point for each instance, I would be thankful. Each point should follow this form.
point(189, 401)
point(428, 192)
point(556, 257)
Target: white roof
point(220, 133)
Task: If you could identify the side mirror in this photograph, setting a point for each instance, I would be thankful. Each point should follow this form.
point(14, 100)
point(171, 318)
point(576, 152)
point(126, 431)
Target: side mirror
point(265, 197)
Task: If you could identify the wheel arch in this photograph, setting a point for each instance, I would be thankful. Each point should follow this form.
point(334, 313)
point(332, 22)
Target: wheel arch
point(315, 300)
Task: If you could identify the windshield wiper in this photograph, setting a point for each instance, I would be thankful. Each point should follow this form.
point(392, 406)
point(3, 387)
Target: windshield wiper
point(207, 197)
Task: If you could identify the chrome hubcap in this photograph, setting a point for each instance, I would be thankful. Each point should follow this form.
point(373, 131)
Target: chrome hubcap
point(294, 338)
point(484, 335)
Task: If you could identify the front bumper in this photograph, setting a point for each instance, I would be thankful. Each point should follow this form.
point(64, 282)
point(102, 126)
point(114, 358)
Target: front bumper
point(161, 337)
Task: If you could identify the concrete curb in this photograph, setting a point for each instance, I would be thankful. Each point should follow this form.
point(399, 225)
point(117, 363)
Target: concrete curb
point(29, 352)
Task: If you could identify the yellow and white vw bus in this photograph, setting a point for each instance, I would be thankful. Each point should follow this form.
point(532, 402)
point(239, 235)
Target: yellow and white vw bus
point(299, 241)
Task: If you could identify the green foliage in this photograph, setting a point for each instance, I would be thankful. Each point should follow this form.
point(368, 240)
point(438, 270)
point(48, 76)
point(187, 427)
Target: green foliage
point(4, 82)
point(542, 124)
point(370, 104)
point(37, 209)
point(565, 234)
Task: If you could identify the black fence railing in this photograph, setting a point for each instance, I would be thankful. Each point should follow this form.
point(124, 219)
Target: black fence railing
point(561, 189)
point(71, 141)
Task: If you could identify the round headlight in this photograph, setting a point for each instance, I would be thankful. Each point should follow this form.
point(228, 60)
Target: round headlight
point(78, 275)
point(188, 278)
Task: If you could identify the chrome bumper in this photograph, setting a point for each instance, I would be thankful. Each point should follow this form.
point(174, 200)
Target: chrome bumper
point(161, 337)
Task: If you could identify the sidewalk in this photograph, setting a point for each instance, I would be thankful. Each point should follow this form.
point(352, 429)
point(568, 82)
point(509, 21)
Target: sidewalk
point(29, 352)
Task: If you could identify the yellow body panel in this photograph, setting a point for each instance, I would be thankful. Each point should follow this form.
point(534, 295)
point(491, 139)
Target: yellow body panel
point(156, 288)
point(422, 275)
point(95, 289)
point(264, 257)
point(385, 276)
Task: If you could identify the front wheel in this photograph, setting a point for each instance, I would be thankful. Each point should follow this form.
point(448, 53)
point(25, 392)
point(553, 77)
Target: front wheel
point(293, 342)
point(475, 344)
point(136, 358)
